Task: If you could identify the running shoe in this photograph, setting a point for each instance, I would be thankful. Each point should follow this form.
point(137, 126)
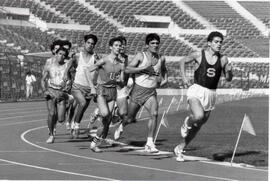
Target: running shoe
point(178, 151)
point(184, 128)
point(94, 145)
point(68, 126)
point(118, 131)
point(50, 140)
point(151, 149)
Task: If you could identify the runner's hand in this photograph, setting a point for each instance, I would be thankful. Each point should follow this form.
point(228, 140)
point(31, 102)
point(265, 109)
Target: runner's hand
point(186, 83)
point(228, 67)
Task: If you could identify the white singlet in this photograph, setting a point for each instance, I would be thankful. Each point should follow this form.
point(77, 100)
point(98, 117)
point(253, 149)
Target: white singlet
point(56, 76)
point(80, 76)
point(145, 80)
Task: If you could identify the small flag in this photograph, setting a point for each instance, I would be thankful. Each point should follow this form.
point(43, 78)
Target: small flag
point(247, 126)
point(172, 101)
point(164, 121)
point(161, 101)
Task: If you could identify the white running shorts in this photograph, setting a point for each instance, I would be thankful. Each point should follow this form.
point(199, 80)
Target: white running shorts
point(206, 96)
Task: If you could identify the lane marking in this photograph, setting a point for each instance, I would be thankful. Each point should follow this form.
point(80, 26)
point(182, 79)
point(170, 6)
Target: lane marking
point(23, 116)
point(58, 171)
point(23, 151)
point(117, 163)
point(21, 122)
point(237, 165)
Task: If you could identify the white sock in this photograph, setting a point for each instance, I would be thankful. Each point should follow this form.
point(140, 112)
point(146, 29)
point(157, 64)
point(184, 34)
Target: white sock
point(150, 141)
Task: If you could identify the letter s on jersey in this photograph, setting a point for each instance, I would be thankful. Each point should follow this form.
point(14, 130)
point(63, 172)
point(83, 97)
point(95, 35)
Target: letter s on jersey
point(211, 72)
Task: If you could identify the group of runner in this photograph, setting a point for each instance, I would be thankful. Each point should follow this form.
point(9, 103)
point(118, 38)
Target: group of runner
point(71, 80)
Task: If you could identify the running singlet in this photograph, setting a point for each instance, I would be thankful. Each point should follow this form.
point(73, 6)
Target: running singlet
point(109, 73)
point(146, 80)
point(56, 76)
point(208, 75)
point(80, 76)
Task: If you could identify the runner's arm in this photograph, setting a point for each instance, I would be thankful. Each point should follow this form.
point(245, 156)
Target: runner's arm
point(164, 72)
point(96, 66)
point(227, 68)
point(132, 68)
point(194, 56)
point(45, 74)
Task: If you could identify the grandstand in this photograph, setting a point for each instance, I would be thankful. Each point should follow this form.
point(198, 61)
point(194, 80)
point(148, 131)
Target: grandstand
point(27, 28)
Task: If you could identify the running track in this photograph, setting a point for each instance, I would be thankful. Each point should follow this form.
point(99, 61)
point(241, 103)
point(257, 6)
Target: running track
point(24, 155)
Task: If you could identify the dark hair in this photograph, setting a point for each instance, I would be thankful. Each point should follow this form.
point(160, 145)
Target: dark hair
point(28, 73)
point(214, 34)
point(123, 39)
point(111, 42)
point(56, 42)
point(93, 37)
point(150, 37)
point(66, 42)
point(63, 49)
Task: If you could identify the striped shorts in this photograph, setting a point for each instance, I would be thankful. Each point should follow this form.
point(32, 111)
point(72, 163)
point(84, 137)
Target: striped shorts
point(141, 94)
point(109, 93)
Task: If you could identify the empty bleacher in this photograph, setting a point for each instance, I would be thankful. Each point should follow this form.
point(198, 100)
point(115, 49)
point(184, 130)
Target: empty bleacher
point(124, 11)
point(231, 47)
point(223, 16)
point(260, 9)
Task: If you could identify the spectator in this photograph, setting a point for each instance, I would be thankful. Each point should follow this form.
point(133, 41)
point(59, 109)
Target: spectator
point(29, 80)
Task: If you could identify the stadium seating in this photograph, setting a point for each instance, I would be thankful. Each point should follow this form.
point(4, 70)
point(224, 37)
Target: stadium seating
point(223, 16)
point(35, 9)
point(259, 9)
point(124, 11)
point(231, 47)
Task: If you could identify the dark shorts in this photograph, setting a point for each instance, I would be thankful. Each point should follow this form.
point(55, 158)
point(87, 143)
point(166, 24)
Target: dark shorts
point(141, 94)
point(109, 93)
point(56, 94)
point(85, 90)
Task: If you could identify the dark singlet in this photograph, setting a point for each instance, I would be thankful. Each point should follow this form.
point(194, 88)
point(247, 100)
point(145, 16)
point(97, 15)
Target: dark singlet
point(208, 75)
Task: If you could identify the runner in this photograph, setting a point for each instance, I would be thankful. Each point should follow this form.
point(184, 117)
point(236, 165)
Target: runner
point(83, 89)
point(201, 96)
point(110, 74)
point(150, 72)
point(54, 94)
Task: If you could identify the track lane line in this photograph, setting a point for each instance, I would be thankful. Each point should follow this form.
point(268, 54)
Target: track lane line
point(58, 171)
point(117, 163)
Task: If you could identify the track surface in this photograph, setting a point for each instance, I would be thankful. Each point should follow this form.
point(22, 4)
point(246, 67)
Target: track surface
point(24, 155)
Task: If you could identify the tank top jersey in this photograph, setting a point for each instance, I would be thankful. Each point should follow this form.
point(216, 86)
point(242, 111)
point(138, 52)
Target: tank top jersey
point(109, 73)
point(208, 75)
point(56, 76)
point(80, 76)
point(146, 80)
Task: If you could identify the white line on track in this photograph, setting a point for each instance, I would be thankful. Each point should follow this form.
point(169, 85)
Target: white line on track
point(20, 110)
point(22, 122)
point(227, 164)
point(117, 163)
point(22, 151)
point(55, 170)
point(23, 116)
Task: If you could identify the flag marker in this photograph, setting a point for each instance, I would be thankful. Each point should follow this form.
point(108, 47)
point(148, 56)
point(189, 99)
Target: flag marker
point(246, 126)
point(160, 125)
